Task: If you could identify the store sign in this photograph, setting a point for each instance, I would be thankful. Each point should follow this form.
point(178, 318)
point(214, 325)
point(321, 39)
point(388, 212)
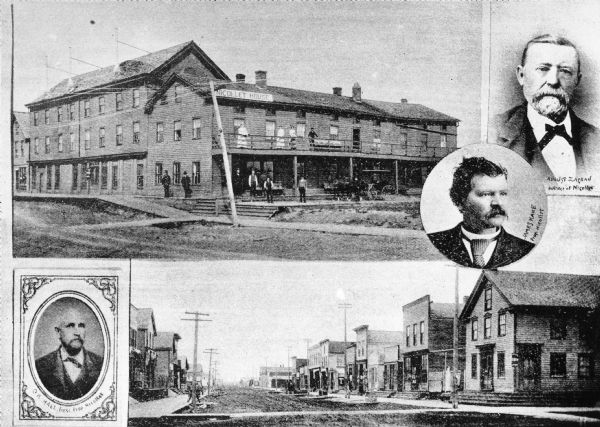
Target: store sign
point(239, 94)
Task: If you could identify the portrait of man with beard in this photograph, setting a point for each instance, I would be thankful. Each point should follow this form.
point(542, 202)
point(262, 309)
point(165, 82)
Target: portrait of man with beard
point(544, 130)
point(480, 192)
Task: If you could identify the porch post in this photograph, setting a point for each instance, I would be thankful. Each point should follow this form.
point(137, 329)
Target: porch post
point(351, 168)
point(396, 174)
point(295, 167)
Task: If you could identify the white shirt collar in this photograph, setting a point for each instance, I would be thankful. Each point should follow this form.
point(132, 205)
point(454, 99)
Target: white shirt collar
point(471, 236)
point(538, 122)
point(64, 355)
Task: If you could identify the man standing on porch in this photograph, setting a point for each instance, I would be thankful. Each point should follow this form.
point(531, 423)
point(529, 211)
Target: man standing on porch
point(166, 183)
point(302, 189)
point(252, 183)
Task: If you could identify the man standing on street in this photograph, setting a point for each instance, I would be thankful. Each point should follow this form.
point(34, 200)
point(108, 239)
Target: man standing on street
point(166, 183)
point(545, 131)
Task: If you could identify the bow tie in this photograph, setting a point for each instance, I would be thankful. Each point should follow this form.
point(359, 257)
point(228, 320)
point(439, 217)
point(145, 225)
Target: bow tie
point(73, 361)
point(551, 132)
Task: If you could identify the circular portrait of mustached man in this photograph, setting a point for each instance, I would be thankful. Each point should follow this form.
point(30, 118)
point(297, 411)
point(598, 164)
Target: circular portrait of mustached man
point(483, 206)
point(68, 348)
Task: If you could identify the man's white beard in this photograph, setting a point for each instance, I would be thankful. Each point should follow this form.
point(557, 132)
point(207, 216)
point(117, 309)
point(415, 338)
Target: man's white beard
point(550, 106)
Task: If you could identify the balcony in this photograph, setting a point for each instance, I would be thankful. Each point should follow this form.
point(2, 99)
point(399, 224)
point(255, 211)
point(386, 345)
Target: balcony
point(240, 143)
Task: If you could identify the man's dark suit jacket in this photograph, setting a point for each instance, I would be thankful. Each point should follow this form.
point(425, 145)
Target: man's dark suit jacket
point(508, 249)
point(56, 380)
point(513, 130)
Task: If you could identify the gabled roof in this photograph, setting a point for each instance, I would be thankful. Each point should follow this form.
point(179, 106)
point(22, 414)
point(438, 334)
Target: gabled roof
point(164, 340)
point(145, 317)
point(404, 110)
point(22, 118)
point(536, 290)
point(129, 69)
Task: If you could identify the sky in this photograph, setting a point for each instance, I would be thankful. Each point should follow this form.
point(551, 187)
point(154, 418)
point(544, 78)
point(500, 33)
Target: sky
point(259, 309)
point(427, 52)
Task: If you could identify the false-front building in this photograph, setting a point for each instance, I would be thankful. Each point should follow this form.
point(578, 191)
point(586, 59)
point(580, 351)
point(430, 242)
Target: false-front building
point(116, 130)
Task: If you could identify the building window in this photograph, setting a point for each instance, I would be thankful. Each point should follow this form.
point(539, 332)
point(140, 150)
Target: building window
point(376, 136)
point(103, 175)
point(87, 139)
point(487, 326)
point(558, 364)
point(158, 171)
point(376, 122)
point(115, 177)
point(269, 128)
point(75, 176)
point(488, 298)
point(22, 149)
point(423, 137)
point(35, 118)
point(421, 332)
point(300, 114)
point(119, 135)
point(48, 178)
point(16, 150)
point(119, 101)
point(72, 142)
point(414, 334)
point(86, 108)
point(46, 116)
point(474, 366)
point(585, 366)
point(160, 132)
point(239, 109)
point(443, 140)
point(403, 138)
point(177, 130)
point(59, 116)
point(444, 127)
point(335, 117)
point(36, 145)
point(136, 132)
point(140, 176)
point(501, 324)
point(333, 132)
point(270, 112)
point(60, 143)
point(196, 128)
point(101, 105)
point(474, 330)
point(301, 130)
point(47, 145)
point(558, 329)
point(176, 173)
point(177, 90)
point(357, 120)
point(72, 112)
point(408, 336)
point(101, 138)
point(196, 173)
point(56, 177)
point(136, 97)
point(425, 126)
point(501, 365)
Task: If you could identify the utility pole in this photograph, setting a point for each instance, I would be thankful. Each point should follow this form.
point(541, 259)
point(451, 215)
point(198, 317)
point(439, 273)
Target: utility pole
point(210, 351)
point(289, 347)
point(196, 320)
point(345, 306)
point(307, 382)
point(226, 165)
point(455, 349)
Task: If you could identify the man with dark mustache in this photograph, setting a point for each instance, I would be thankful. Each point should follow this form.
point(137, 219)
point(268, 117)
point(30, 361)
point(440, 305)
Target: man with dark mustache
point(480, 190)
point(545, 131)
point(70, 372)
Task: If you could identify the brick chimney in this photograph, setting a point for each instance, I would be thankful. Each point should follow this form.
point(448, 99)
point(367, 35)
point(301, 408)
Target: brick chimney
point(261, 78)
point(356, 92)
point(404, 101)
point(337, 91)
point(240, 78)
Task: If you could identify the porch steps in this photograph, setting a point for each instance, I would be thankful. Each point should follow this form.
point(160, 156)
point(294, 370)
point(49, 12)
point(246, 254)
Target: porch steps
point(411, 395)
point(527, 399)
point(219, 207)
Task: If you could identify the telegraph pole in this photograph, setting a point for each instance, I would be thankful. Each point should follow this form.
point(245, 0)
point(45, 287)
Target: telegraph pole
point(345, 306)
point(210, 351)
point(455, 349)
point(196, 320)
point(226, 165)
point(289, 347)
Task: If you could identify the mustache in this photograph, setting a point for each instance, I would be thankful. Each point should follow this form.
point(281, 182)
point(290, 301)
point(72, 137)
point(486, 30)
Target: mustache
point(496, 210)
point(558, 93)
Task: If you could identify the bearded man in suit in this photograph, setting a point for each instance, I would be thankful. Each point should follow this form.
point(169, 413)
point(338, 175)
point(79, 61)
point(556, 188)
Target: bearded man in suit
point(545, 131)
point(71, 371)
point(479, 190)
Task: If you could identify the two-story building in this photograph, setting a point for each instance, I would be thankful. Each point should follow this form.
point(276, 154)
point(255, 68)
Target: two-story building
point(275, 376)
point(370, 357)
point(20, 151)
point(392, 369)
point(427, 347)
point(168, 370)
point(119, 128)
point(299, 376)
point(142, 357)
point(536, 334)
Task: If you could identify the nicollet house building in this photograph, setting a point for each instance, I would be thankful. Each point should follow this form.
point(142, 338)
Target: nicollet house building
point(116, 130)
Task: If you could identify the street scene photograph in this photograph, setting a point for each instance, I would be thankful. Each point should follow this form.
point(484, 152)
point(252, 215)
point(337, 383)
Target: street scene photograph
point(360, 344)
point(247, 131)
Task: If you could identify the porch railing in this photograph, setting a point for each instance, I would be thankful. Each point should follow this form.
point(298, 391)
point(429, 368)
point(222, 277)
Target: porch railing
point(262, 142)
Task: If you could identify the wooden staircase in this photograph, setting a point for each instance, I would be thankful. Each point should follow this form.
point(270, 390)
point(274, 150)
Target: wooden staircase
point(221, 207)
point(564, 398)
